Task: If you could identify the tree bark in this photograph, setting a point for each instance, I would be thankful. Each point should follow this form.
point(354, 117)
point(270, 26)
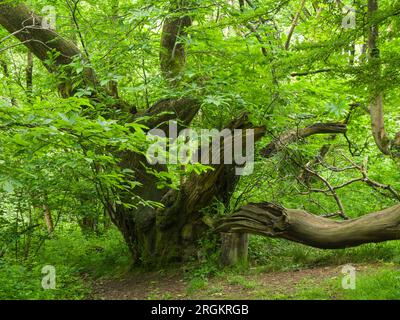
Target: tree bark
point(294, 24)
point(234, 248)
point(382, 139)
point(29, 76)
point(25, 25)
point(48, 219)
point(172, 54)
point(272, 220)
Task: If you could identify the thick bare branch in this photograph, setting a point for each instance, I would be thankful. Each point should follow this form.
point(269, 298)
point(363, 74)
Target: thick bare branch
point(272, 220)
point(297, 134)
point(333, 192)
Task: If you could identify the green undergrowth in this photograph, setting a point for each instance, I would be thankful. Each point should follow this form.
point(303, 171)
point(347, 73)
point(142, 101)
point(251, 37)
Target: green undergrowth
point(381, 284)
point(78, 260)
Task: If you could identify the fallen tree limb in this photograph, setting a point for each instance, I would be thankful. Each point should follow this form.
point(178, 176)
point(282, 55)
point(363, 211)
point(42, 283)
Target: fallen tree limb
point(272, 220)
point(306, 73)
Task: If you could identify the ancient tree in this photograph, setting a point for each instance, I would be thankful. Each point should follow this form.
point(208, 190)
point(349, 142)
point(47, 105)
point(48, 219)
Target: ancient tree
point(161, 235)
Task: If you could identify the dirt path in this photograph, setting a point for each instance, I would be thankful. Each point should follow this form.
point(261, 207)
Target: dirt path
point(272, 285)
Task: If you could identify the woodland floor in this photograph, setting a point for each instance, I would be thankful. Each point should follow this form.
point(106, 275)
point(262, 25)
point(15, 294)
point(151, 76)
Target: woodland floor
point(253, 284)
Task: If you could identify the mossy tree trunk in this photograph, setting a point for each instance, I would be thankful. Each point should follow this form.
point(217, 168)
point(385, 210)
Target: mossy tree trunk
point(234, 248)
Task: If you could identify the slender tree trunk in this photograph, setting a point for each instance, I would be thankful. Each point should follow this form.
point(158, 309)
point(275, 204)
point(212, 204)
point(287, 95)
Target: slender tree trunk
point(48, 218)
point(28, 235)
point(29, 76)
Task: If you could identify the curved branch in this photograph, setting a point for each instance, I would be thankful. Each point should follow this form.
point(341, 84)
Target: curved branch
point(25, 25)
point(183, 110)
point(332, 190)
point(297, 134)
point(272, 220)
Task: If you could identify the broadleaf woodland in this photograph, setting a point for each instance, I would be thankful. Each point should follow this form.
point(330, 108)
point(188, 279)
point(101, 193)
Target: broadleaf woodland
point(83, 82)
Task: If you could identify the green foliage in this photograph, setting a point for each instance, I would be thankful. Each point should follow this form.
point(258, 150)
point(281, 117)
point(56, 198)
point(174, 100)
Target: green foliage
point(62, 156)
point(77, 259)
point(104, 255)
point(382, 284)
